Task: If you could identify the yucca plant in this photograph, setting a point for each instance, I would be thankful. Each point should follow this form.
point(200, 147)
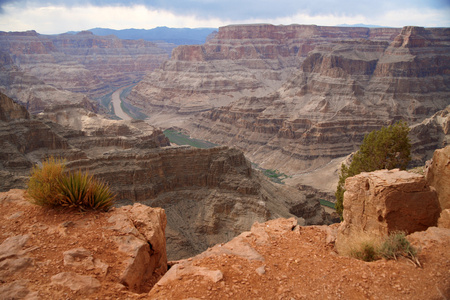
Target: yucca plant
point(99, 195)
point(83, 191)
point(73, 188)
point(43, 185)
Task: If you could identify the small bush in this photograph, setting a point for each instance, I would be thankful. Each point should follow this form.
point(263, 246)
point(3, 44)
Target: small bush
point(49, 185)
point(366, 251)
point(367, 247)
point(43, 184)
point(396, 245)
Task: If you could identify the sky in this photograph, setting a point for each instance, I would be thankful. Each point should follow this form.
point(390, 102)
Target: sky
point(59, 16)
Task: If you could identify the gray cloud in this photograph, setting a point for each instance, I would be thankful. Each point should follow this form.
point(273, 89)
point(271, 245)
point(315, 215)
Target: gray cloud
point(257, 9)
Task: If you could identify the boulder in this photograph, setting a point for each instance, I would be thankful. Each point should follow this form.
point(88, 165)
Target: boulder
point(438, 176)
point(383, 202)
point(142, 237)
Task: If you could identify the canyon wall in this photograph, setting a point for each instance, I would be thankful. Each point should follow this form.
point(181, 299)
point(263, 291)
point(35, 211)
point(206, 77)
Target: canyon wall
point(83, 62)
point(240, 60)
point(296, 97)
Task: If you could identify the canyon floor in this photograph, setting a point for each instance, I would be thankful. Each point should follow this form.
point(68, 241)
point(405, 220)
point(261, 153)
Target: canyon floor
point(276, 260)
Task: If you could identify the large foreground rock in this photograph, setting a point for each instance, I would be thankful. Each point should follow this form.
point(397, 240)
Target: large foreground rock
point(383, 202)
point(56, 253)
point(438, 175)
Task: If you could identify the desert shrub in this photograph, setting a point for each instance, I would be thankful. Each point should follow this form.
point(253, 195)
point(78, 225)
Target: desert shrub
point(369, 247)
point(387, 148)
point(50, 185)
point(43, 184)
point(396, 245)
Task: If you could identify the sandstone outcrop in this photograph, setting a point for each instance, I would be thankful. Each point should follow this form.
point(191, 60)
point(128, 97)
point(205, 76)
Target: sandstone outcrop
point(438, 175)
point(210, 195)
point(66, 255)
point(296, 97)
point(83, 62)
point(86, 255)
point(387, 201)
point(444, 219)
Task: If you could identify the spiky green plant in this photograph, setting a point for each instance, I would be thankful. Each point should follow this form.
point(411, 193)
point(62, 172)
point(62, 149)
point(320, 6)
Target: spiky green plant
point(80, 190)
point(43, 185)
point(99, 196)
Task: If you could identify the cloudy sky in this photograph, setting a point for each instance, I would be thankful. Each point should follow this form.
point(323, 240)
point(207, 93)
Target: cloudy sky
point(58, 16)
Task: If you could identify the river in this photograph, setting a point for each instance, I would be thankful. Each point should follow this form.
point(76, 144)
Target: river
point(116, 104)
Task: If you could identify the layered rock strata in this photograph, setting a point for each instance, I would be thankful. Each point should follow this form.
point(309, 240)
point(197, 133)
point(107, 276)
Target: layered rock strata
point(431, 133)
point(32, 92)
point(250, 60)
point(83, 62)
point(342, 91)
point(295, 97)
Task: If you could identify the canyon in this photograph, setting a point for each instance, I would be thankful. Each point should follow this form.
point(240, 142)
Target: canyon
point(209, 195)
point(83, 62)
point(297, 97)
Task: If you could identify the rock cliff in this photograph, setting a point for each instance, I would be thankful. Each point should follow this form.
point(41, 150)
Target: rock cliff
point(32, 92)
point(83, 62)
point(210, 195)
point(296, 97)
point(250, 60)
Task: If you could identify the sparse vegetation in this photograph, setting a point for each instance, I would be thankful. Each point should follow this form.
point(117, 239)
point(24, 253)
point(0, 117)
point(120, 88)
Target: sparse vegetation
point(275, 175)
point(360, 245)
point(396, 245)
point(369, 247)
point(387, 148)
point(50, 185)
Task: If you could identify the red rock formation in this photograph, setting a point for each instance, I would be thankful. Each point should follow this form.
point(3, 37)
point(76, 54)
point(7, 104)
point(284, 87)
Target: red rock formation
point(438, 176)
point(383, 202)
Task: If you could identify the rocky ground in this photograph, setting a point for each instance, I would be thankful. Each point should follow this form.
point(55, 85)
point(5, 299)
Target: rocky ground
point(275, 260)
